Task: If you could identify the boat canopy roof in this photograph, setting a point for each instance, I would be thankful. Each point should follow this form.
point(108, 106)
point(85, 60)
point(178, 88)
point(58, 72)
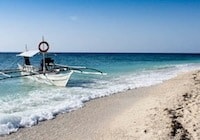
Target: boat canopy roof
point(30, 53)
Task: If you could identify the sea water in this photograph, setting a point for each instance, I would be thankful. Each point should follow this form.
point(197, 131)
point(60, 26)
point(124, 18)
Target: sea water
point(23, 102)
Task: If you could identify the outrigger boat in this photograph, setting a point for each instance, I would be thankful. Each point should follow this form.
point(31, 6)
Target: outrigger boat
point(49, 72)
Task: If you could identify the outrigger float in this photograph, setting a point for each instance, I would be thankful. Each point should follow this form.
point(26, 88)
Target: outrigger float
point(48, 72)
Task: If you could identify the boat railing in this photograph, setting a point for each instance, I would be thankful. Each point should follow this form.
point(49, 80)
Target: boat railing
point(30, 68)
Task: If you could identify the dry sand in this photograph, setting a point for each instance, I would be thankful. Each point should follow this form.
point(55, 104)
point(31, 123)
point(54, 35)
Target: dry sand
point(170, 110)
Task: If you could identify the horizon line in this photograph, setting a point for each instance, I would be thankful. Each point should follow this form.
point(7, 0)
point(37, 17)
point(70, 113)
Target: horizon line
point(116, 52)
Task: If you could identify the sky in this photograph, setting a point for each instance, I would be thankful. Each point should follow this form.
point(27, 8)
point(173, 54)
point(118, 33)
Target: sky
point(101, 25)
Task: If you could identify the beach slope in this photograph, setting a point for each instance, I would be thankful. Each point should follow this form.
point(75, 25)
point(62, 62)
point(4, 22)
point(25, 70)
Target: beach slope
point(170, 110)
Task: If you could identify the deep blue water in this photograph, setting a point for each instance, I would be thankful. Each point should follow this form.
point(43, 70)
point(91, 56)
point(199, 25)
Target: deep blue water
point(24, 102)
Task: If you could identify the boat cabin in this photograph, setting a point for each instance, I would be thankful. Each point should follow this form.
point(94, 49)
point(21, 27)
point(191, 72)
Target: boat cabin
point(49, 62)
point(26, 55)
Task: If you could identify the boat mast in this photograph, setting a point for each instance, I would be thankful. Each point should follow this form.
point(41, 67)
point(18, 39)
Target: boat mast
point(43, 47)
point(43, 54)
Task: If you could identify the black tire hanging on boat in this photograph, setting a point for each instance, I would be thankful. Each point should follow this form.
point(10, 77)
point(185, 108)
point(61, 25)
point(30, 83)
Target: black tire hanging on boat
point(42, 49)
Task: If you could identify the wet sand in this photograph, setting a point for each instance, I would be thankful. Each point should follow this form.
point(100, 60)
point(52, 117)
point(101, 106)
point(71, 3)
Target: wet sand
point(170, 110)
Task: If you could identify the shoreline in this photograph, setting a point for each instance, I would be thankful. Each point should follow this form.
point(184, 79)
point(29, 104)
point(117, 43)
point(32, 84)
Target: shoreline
point(155, 112)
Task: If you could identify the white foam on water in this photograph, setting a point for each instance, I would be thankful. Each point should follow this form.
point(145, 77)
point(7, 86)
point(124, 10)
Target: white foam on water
point(45, 103)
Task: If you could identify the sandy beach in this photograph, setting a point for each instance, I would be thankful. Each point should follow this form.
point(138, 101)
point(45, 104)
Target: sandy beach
point(170, 110)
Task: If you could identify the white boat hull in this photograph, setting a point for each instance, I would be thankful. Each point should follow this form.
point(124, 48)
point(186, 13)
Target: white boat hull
point(56, 79)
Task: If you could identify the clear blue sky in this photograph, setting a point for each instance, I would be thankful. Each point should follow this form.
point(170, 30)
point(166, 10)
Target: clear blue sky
point(101, 25)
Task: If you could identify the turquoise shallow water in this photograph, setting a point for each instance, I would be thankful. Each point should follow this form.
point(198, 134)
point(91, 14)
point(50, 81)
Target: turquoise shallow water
point(24, 102)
